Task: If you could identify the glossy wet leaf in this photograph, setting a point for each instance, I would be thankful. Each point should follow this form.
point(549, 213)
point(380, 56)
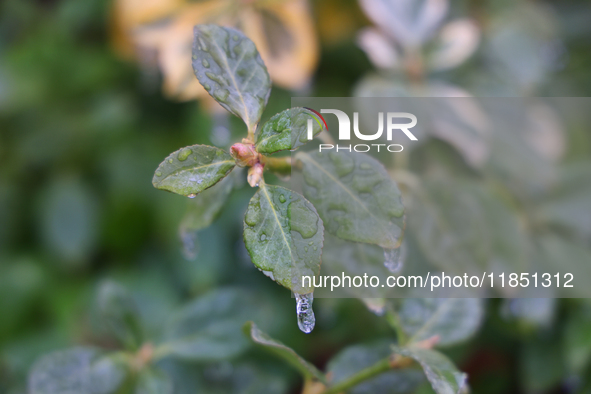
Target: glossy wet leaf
point(205, 207)
point(76, 370)
point(193, 169)
point(287, 130)
point(452, 319)
point(153, 381)
point(286, 353)
point(120, 314)
point(440, 371)
point(284, 236)
point(229, 67)
point(210, 328)
point(354, 196)
point(354, 358)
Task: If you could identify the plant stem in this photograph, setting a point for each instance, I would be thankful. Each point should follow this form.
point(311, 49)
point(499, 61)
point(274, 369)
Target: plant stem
point(363, 375)
point(380, 367)
point(394, 322)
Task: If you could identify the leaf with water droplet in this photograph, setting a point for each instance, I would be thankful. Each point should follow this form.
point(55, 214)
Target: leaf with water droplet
point(288, 354)
point(440, 371)
point(287, 130)
point(119, 312)
point(193, 169)
point(201, 212)
point(354, 359)
point(453, 320)
point(355, 197)
point(289, 225)
point(234, 71)
point(210, 328)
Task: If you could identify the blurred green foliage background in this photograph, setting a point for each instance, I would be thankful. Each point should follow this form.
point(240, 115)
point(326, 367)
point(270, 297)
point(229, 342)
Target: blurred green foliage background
point(81, 132)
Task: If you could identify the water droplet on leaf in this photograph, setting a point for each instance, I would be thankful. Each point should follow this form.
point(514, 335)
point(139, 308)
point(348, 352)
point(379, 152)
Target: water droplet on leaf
point(184, 154)
point(305, 314)
point(282, 198)
point(394, 259)
point(205, 63)
point(192, 195)
point(263, 237)
point(221, 94)
point(158, 173)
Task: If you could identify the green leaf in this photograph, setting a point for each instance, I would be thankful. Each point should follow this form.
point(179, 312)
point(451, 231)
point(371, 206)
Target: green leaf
point(560, 255)
point(287, 130)
point(192, 169)
point(284, 236)
point(355, 358)
point(440, 371)
point(355, 197)
point(352, 259)
point(76, 370)
point(225, 377)
point(153, 381)
point(288, 354)
point(452, 319)
point(463, 227)
point(119, 312)
point(569, 205)
point(205, 207)
point(229, 67)
point(210, 328)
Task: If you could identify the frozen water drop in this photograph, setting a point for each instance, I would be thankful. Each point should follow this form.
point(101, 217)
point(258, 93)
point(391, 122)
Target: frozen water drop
point(394, 259)
point(305, 314)
point(263, 237)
